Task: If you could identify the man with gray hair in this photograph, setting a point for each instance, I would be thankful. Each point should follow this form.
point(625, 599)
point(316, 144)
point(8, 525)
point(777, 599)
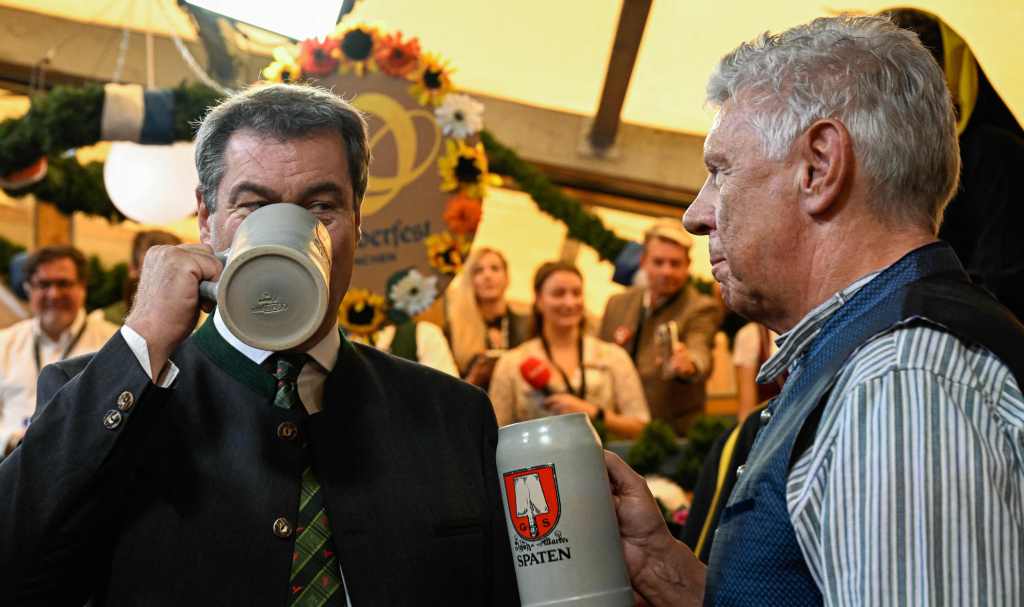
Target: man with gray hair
point(174, 468)
point(888, 472)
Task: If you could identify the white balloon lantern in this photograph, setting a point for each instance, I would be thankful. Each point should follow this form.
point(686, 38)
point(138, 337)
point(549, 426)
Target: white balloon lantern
point(152, 184)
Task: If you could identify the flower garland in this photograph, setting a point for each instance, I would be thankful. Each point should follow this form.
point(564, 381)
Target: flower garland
point(363, 49)
point(72, 187)
point(69, 117)
point(583, 225)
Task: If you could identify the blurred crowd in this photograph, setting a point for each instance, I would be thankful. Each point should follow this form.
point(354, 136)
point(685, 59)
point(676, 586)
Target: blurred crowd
point(649, 355)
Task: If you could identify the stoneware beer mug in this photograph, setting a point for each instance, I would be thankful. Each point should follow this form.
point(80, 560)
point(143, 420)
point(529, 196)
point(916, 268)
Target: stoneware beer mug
point(560, 515)
point(273, 292)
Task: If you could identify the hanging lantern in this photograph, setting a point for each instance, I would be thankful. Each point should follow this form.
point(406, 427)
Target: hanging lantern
point(152, 184)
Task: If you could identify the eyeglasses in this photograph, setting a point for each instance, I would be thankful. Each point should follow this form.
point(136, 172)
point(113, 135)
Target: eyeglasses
point(62, 284)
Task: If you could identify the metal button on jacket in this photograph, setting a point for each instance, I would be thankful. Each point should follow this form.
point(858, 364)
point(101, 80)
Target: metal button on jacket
point(766, 416)
point(741, 470)
point(125, 401)
point(282, 528)
point(287, 431)
point(112, 419)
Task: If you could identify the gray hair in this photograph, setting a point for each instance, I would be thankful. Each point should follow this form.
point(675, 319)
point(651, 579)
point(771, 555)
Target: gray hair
point(281, 111)
point(875, 78)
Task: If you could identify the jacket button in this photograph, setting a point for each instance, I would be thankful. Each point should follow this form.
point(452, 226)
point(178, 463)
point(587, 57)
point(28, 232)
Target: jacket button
point(125, 401)
point(112, 419)
point(287, 431)
point(282, 528)
point(766, 416)
point(740, 470)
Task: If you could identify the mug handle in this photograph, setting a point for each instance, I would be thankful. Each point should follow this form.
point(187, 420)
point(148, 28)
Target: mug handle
point(208, 288)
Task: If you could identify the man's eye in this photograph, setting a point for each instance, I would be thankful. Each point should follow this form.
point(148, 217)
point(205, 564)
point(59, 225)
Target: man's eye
point(321, 207)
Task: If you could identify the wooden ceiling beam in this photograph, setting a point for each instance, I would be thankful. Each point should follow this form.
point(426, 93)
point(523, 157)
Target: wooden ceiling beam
point(632, 22)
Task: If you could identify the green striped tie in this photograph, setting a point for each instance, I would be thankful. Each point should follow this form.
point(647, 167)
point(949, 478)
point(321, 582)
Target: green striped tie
point(315, 576)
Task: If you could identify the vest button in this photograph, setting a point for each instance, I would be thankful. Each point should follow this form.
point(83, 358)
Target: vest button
point(766, 416)
point(287, 431)
point(125, 401)
point(740, 470)
point(282, 528)
point(112, 419)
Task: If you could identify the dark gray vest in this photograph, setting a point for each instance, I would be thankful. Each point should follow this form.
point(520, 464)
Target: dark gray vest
point(756, 559)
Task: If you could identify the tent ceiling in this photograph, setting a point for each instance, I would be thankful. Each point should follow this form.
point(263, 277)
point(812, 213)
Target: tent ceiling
point(554, 53)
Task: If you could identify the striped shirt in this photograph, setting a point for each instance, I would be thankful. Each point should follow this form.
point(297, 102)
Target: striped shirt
point(912, 492)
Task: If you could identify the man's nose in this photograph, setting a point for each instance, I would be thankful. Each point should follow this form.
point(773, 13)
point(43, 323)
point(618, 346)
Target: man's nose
point(699, 218)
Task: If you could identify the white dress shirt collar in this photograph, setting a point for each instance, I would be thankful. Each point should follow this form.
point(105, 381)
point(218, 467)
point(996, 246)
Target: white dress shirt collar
point(325, 352)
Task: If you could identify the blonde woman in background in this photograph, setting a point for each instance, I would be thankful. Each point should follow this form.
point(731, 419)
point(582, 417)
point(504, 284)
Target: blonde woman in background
point(479, 321)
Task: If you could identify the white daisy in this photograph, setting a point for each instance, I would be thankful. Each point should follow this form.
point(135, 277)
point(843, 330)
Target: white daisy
point(460, 116)
point(414, 292)
point(670, 494)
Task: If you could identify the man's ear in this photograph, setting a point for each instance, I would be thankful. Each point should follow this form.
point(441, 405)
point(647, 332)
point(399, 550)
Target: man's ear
point(358, 221)
point(204, 218)
point(826, 164)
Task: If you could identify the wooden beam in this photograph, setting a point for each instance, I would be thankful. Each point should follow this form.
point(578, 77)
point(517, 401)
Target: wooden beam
point(632, 21)
point(51, 227)
point(655, 165)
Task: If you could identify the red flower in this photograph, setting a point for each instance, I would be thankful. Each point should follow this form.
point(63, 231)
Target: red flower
point(396, 57)
point(462, 214)
point(319, 58)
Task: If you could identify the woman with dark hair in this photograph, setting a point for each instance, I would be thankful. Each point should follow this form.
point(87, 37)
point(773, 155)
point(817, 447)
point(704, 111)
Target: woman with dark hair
point(586, 375)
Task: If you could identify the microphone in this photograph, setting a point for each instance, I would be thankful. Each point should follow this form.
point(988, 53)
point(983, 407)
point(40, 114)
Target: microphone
point(536, 373)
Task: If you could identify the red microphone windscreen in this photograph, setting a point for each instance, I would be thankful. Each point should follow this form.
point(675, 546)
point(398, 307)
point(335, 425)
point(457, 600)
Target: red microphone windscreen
point(535, 372)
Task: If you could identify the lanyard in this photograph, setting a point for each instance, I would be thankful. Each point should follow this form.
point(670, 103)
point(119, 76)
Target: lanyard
point(67, 350)
point(582, 394)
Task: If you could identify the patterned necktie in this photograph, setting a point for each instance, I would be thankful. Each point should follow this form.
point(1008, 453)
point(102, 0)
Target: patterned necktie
point(315, 577)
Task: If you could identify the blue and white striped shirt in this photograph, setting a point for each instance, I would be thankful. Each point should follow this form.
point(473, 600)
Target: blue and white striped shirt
point(913, 490)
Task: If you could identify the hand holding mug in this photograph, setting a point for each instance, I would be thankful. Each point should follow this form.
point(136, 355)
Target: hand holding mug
point(167, 302)
point(662, 569)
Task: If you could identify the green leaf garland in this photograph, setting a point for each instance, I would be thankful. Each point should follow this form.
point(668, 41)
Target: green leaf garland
point(583, 225)
point(69, 117)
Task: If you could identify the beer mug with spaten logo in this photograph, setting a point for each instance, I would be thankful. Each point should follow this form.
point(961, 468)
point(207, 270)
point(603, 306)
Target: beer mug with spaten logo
point(560, 515)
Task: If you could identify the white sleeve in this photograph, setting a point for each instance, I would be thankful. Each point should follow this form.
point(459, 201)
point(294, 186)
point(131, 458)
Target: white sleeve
point(746, 348)
point(432, 348)
point(140, 349)
point(628, 389)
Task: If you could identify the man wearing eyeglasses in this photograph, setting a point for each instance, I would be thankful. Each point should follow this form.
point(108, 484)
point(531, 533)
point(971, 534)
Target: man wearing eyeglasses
point(59, 328)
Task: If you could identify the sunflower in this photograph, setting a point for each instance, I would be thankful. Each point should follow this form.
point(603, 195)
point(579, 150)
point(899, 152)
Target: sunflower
point(465, 168)
point(432, 82)
point(356, 46)
point(361, 312)
point(319, 58)
point(446, 252)
point(462, 214)
point(396, 57)
point(285, 67)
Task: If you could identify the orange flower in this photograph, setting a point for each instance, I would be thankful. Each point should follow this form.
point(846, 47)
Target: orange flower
point(396, 57)
point(319, 58)
point(462, 214)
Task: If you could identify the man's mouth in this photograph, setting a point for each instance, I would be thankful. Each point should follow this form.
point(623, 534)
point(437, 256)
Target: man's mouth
point(717, 266)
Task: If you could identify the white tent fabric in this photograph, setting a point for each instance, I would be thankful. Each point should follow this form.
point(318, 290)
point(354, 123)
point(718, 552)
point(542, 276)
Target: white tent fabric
point(554, 54)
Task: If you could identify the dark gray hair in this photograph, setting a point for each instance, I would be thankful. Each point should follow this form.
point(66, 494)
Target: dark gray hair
point(281, 111)
point(51, 253)
point(875, 78)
